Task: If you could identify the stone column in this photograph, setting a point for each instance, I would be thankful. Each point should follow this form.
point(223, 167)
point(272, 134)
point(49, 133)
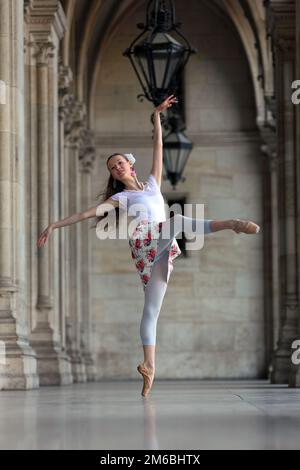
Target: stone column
point(86, 160)
point(271, 253)
point(65, 98)
point(295, 370)
point(271, 247)
point(45, 25)
point(281, 16)
point(73, 136)
point(18, 368)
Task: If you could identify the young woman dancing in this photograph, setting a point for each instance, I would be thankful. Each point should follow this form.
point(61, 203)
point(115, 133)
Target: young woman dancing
point(152, 241)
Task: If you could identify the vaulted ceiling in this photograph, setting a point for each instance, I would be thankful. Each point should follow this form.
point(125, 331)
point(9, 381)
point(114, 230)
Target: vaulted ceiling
point(91, 23)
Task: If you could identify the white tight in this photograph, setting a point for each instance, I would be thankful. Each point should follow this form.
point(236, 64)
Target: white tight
point(157, 284)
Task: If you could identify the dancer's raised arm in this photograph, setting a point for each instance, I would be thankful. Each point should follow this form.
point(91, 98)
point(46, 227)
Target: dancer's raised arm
point(157, 164)
point(78, 217)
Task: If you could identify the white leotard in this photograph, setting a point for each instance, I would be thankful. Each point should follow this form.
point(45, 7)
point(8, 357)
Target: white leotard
point(150, 198)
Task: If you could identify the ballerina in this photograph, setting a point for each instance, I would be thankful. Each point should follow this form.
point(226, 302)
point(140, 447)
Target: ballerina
point(152, 242)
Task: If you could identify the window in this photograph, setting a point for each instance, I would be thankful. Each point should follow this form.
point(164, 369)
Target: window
point(178, 201)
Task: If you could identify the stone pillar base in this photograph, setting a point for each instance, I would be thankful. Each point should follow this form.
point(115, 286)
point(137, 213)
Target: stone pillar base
point(53, 365)
point(294, 378)
point(78, 368)
point(90, 367)
point(18, 368)
point(280, 368)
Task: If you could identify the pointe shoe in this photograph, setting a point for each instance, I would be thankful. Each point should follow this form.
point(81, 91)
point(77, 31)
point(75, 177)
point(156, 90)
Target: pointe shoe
point(148, 376)
point(245, 226)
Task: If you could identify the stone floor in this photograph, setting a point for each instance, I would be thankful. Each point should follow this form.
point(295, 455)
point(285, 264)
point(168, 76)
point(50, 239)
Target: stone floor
point(187, 414)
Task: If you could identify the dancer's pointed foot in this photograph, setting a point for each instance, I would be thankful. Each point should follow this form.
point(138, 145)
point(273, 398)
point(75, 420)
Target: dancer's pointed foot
point(245, 226)
point(148, 376)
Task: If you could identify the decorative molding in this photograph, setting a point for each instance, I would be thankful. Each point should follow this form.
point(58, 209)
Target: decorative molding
point(281, 23)
point(202, 139)
point(75, 123)
point(271, 157)
point(271, 110)
point(6, 285)
point(65, 79)
point(269, 146)
point(47, 15)
point(286, 45)
point(69, 104)
point(27, 6)
point(87, 151)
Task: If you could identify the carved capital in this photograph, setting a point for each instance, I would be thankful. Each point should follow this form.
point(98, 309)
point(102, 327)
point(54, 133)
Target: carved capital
point(270, 157)
point(27, 6)
point(75, 124)
point(69, 105)
point(269, 146)
point(64, 90)
point(42, 51)
point(65, 108)
point(271, 110)
point(65, 77)
point(87, 151)
point(285, 45)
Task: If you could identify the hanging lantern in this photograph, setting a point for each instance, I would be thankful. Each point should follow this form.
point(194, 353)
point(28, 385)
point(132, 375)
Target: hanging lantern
point(159, 54)
point(176, 150)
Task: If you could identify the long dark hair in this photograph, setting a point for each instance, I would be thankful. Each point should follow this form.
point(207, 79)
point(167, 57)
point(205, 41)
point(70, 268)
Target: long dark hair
point(109, 191)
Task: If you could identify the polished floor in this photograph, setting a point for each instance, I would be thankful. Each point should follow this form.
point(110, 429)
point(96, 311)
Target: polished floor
point(186, 414)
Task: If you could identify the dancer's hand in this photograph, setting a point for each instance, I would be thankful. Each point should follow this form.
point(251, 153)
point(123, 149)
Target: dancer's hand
point(167, 103)
point(44, 236)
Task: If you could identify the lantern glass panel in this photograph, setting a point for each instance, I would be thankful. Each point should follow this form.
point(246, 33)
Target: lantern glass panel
point(177, 148)
point(158, 58)
point(166, 57)
point(143, 64)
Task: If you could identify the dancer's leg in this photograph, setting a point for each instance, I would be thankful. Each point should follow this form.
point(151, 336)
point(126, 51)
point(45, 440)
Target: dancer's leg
point(174, 225)
point(181, 223)
point(157, 284)
point(154, 294)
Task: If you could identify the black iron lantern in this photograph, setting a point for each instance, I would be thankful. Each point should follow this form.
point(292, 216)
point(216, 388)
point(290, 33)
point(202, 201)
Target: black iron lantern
point(176, 151)
point(157, 56)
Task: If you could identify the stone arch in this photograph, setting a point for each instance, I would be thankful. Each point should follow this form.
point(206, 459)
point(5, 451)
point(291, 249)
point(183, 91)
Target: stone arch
point(243, 27)
point(235, 12)
point(259, 16)
point(90, 24)
point(69, 8)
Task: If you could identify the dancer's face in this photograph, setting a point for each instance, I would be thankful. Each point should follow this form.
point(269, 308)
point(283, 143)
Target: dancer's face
point(119, 167)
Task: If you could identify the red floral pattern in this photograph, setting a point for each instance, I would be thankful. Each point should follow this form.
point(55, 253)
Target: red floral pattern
point(143, 244)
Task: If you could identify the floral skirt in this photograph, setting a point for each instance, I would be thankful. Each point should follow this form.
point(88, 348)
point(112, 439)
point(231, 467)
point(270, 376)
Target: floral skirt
point(143, 243)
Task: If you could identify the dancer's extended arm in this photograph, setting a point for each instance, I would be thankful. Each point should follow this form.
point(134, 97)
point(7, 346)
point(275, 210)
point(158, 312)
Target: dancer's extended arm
point(157, 163)
point(108, 205)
